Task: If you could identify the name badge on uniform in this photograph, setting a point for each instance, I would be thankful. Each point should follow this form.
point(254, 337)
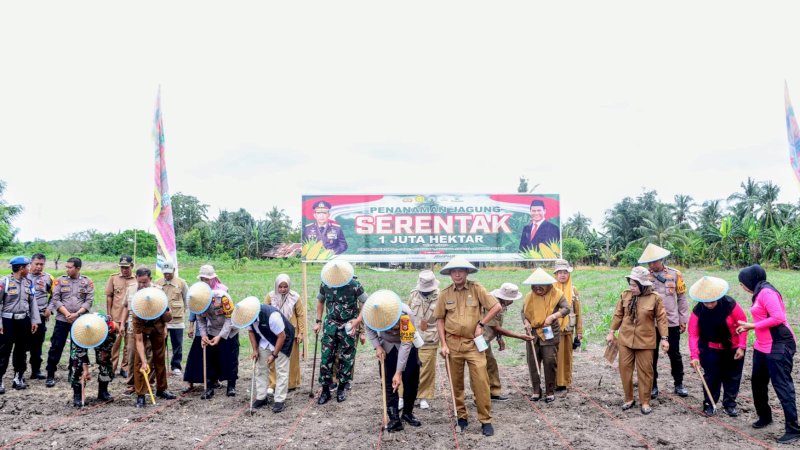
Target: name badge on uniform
point(331, 235)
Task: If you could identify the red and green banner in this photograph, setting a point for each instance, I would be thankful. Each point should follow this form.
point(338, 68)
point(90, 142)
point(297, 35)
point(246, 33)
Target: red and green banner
point(431, 227)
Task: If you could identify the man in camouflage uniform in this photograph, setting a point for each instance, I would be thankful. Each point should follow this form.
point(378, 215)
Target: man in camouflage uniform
point(20, 319)
point(343, 305)
point(43, 284)
point(323, 230)
point(669, 284)
point(79, 356)
point(73, 295)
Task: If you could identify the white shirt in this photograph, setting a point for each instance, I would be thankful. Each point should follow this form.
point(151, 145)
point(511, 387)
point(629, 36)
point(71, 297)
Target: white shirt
point(275, 325)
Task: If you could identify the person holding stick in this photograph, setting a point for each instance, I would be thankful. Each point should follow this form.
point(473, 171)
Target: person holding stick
point(391, 327)
point(773, 351)
point(460, 325)
point(506, 294)
point(571, 326)
point(221, 344)
point(288, 303)
point(199, 301)
point(637, 316)
point(714, 343)
point(91, 331)
point(272, 339)
point(541, 311)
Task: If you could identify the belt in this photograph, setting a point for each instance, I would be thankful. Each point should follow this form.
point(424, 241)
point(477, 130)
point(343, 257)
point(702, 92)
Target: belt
point(460, 337)
point(15, 316)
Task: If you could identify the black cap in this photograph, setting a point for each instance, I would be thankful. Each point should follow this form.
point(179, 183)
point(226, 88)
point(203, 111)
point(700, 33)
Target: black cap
point(125, 261)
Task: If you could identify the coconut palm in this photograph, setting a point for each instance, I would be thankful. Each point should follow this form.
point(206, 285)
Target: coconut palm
point(578, 226)
point(659, 227)
point(710, 214)
point(767, 206)
point(682, 208)
point(745, 202)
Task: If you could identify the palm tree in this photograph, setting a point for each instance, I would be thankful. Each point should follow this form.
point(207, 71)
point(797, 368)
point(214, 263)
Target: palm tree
point(779, 241)
point(659, 227)
point(768, 208)
point(710, 214)
point(745, 202)
point(578, 226)
point(682, 208)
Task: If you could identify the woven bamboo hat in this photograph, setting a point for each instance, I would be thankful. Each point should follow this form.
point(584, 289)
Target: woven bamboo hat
point(507, 291)
point(641, 275)
point(245, 312)
point(562, 264)
point(539, 278)
point(337, 273)
point(458, 262)
point(149, 303)
point(708, 289)
point(653, 253)
point(199, 297)
point(89, 330)
point(382, 310)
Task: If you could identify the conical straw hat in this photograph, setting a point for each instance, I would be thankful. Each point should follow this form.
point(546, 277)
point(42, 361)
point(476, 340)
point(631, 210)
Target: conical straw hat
point(653, 253)
point(382, 310)
point(245, 312)
point(708, 289)
point(89, 330)
point(337, 273)
point(458, 262)
point(199, 297)
point(539, 278)
point(149, 303)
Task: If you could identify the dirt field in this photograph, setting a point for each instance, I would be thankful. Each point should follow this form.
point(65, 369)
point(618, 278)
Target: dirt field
point(588, 416)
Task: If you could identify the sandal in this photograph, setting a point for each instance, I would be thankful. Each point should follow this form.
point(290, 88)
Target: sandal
point(646, 410)
point(550, 399)
point(628, 405)
point(536, 397)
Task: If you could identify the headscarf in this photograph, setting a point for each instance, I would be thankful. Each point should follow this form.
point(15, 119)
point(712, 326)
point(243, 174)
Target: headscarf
point(632, 309)
point(755, 279)
point(215, 284)
point(566, 288)
point(284, 302)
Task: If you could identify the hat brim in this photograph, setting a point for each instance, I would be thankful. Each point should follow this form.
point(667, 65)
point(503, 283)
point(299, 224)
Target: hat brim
point(709, 300)
point(649, 260)
point(446, 270)
point(427, 288)
point(496, 294)
point(642, 282)
point(208, 304)
point(250, 320)
point(376, 328)
point(558, 269)
point(83, 345)
point(151, 316)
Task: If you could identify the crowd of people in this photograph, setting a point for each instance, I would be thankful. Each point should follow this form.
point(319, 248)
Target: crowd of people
point(459, 323)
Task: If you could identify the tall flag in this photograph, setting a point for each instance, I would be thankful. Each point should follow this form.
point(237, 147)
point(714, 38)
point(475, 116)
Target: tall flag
point(162, 203)
point(794, 133)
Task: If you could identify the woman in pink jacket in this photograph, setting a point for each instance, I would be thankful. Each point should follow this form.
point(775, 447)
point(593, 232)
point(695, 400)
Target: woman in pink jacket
point(774, 350)
point(714, 343)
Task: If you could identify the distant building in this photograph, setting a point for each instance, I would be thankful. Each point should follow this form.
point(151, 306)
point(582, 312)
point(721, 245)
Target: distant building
point(284, 251)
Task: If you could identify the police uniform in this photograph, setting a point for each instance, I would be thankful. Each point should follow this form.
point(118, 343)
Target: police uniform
point(19, 313)
point(117, 290)
point(73, 294)
point(342, 305)
point(223, 358)
point(330, 234)
point(43, 286)
point(78, 356)
point(671, 288)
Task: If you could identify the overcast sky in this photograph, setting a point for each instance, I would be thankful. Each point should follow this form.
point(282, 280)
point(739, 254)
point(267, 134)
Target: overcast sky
point(266, 101)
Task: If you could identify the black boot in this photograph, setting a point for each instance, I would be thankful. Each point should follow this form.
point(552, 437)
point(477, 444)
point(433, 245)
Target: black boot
point(231, 389)
point(410, 419)
point(341, 393)
point(102, 392)
point(76, 397)
point(207, 394)
point(792, 433)
point(19, 381)
point(36, 374)
point(395, 424)
point(51, 379)
point(324, 396)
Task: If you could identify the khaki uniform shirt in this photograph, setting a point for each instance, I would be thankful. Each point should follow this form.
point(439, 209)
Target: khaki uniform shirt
point(423, 308)
point(43, 283)
point(178, 296)
point(117, 288)
point(18, 297)
point(673, 294)
point(73, 294)
point(461, 308)
point(497, 321)
point(650, 314)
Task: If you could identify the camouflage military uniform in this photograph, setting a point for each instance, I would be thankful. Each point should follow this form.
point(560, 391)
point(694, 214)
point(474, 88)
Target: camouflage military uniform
point(343, 305)
point(78, 356)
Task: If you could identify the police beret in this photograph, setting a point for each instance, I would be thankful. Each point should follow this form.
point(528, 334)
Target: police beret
point(537, 203)
point(322, 204)
point(19, 260)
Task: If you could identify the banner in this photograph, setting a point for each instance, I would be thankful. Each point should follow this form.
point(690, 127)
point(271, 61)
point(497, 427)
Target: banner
point(793, 132)
point(162, 205)
point(431, 227)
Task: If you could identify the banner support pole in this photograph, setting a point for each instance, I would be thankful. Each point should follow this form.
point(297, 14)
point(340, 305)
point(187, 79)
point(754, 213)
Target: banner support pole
point(305, 304)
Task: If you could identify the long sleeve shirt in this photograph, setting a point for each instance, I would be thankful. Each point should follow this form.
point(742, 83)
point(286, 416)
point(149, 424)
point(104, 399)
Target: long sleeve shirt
point(423, 308)
point(73, 294)
point(738, 340)
point(768, 312)
point(390, 339)
point(216, 321)
point(19, 297)
point(640, 334)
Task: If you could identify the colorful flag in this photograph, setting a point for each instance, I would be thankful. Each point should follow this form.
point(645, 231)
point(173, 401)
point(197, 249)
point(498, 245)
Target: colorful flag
point(794, 133)
point(162, 204)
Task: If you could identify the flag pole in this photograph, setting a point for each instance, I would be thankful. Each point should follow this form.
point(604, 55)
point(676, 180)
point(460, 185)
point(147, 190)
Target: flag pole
point(134, 247)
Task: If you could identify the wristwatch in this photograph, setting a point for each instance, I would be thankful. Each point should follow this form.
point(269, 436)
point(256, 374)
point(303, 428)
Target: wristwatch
point(664, 338)
point(480, 324)
point(319, 320)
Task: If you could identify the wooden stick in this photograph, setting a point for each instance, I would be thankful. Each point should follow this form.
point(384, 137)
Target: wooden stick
point(253, 386)
point(205, 376)
point(305, 306)
point(314, 366)
point(452, 391)
point(84, 375)
point(705, 386)
point(535, 358)
point(383, 395)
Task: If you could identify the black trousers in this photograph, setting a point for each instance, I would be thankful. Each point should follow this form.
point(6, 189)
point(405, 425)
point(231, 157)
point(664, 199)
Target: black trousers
point(777, 368)
point(674, 353)
point(721, 371)
point(410, 379)
point(57, 342)
point(176, 342)
point(16, 335)
point(36, 343)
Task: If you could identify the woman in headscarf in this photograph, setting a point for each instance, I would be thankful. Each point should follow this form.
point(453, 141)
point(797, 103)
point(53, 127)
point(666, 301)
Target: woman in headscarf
point(773, 351)
point(571, 325)
point(714, 343)
point(638, 314)
point(289, 304)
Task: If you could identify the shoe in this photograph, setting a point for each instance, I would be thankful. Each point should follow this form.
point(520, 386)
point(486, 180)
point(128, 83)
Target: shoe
point(646, 410)
point(487, 429)
point(761, 423)
point(166, 395)
point(37, 375)
point(499, 398)
point(259, 403)
point(461, 425)
point(2, 388)
point(536, 397)
point(400, 404)
point(129, 391)
point(207, 394)
point(76, 397)
point(51, 381)
point(177, 372)
point(708, 410)
point(324, 396)
point(18, 382)
point(628, 405)
point(270, 391)
point(187, 389)
point(550, 399)
point(411, 420)
point(123, 374)
point(231, 391)
point(423, 404)
point(292, 389)
point(347, 386)
point(681, 391)
point(792, 433)
point(102, 392)
point(654, 393)
point(140, 401)
point(561, 388)
point(341, 394)
point(732, 411)
point(395, 424)
point(278, 407)
point(216, 385)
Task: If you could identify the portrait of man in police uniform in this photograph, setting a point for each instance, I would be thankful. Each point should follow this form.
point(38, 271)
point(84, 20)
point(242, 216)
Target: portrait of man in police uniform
point(323, 230)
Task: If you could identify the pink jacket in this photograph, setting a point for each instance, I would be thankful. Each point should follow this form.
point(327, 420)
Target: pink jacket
point(737, 340)
point(768, 311)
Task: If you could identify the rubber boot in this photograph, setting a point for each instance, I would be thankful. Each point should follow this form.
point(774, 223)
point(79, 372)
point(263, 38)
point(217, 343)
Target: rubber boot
point(76, 397)
point(395, 424)
point(102, 392)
